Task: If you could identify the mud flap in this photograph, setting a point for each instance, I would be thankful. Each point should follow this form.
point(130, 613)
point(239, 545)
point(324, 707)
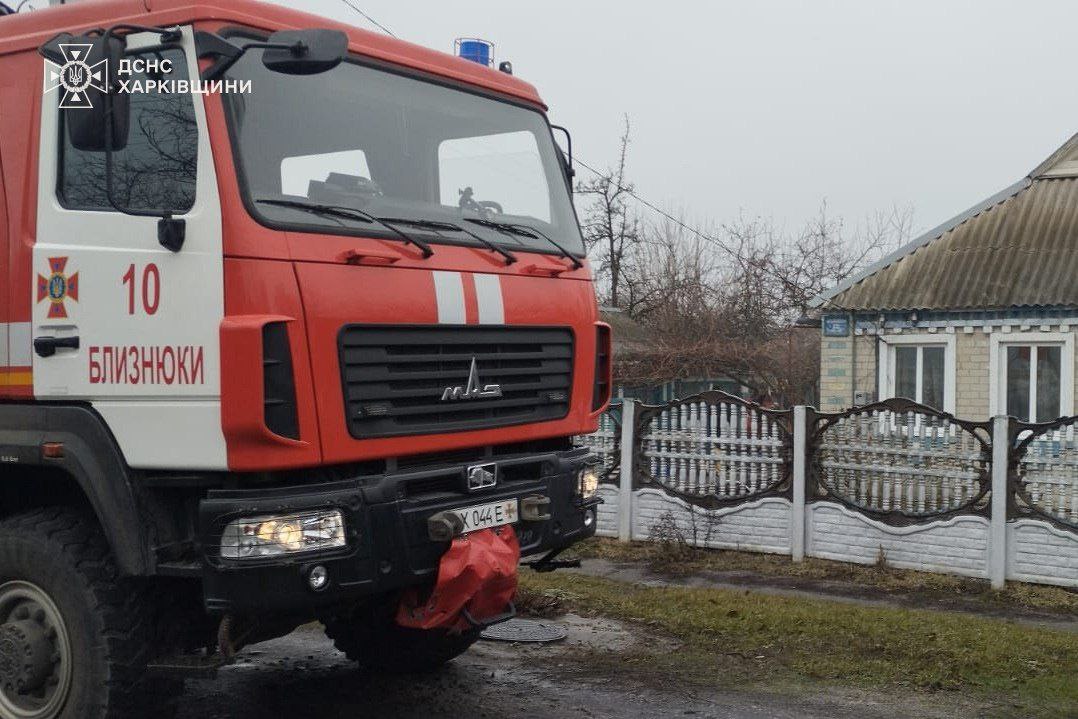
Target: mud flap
point(477, 580)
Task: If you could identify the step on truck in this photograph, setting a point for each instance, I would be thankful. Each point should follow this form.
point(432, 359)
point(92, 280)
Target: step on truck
point(297, 325)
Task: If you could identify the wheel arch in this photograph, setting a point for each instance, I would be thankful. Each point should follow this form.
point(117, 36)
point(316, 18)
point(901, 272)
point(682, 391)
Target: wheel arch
point(90, 462)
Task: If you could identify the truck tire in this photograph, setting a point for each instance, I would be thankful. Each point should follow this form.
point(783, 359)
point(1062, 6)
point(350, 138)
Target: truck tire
point(372, 638)
point(74, 634)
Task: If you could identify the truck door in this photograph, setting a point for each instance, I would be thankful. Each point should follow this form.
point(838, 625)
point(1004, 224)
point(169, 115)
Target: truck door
point(118, 320)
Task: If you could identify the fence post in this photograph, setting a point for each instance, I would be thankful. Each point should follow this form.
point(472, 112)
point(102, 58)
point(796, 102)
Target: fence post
point(625, 489)
point(997, 537)
point(797, 509)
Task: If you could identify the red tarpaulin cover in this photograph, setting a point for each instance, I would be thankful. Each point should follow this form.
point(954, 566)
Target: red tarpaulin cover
point(477, 574)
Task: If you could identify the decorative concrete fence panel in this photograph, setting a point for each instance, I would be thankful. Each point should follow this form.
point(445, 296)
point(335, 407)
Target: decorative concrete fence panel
point(902, 461)
point(1046, 471)
point(715, 471)
point(895, 481)
point(1042, 525)
point(713, 449)
point(901, 483)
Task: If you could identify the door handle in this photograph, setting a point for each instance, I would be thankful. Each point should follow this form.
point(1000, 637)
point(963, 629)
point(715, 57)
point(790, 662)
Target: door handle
point(47, 346)
point(369, 257)
point(543, 270)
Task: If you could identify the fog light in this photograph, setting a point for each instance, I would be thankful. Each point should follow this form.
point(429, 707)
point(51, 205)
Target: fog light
point(256, 537)
point(589, 481)
point(318, 578)
point(589, 518)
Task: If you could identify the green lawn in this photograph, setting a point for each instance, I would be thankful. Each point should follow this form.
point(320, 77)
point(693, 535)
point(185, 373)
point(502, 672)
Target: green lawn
point(739, 638)
point(680, 560)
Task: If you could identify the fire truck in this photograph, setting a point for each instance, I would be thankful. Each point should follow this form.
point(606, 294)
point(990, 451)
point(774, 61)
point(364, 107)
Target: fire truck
point(297, 325)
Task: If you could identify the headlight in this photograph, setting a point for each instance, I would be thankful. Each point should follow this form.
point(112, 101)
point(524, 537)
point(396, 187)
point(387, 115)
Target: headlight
point(283, 535)
point(589, 481)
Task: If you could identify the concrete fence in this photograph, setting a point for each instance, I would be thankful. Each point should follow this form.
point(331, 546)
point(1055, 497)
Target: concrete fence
point(895, 481)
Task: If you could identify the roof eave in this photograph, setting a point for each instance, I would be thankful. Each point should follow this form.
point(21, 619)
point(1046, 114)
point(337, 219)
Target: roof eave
point(824, 298)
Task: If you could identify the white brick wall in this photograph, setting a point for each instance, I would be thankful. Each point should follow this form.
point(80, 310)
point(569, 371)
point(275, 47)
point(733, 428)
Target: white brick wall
point(760, 526)
point(958, 545)
point(1040, 552)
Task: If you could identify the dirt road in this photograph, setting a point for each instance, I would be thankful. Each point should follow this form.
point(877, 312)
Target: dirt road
point(302, 677)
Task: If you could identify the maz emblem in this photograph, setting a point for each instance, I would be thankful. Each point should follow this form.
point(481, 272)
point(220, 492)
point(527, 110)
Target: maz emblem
point(472, 390)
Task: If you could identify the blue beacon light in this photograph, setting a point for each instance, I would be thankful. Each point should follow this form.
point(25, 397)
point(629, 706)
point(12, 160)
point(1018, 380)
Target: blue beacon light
point(476, 50)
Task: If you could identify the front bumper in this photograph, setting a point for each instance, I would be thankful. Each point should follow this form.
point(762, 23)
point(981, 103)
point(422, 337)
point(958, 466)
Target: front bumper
point(386, 519)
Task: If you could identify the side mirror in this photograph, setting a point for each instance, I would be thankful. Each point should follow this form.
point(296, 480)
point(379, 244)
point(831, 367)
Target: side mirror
point(566, 162)
point(306, 52)
point(82, 68)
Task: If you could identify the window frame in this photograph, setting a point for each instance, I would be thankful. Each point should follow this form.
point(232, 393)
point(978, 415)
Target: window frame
point(997, 367)
point(887, 357)
point(135, 48)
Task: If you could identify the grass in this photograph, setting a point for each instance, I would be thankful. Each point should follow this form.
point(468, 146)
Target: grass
point(739, 639)
point(680, 560)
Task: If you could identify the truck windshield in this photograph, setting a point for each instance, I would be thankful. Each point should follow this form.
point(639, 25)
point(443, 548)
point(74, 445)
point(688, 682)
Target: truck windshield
point(398, 147)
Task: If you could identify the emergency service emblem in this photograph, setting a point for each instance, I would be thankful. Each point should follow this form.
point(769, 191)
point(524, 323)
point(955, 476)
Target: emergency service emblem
point(57, 288)
point(75, 76)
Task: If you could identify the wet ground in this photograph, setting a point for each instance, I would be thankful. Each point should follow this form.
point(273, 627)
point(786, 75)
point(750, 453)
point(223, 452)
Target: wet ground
point(301, 676)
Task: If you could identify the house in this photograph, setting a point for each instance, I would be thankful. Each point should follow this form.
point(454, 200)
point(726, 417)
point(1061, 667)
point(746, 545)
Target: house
point(976, 317)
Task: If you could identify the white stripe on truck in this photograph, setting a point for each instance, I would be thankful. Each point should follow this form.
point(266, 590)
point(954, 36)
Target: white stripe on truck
point(488, 294)
point(449, 296)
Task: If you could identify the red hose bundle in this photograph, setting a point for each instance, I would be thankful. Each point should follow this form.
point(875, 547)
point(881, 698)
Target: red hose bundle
point(477, 575)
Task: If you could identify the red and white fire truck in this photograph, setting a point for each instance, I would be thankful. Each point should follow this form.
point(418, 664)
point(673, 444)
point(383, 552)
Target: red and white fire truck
point(297, 324)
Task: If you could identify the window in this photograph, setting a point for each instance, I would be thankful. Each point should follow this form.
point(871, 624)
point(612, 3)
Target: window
point(506, 166)
point(919, 368)
point(401, 147)
point(919, 374)
point(156, 169)
point(1033, 375)
point(298, 173)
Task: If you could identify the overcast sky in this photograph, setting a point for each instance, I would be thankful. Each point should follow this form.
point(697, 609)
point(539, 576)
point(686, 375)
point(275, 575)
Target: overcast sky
point(772, 106)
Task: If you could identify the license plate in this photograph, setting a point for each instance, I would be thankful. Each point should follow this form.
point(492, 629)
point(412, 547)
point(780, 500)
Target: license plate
point(483, 516)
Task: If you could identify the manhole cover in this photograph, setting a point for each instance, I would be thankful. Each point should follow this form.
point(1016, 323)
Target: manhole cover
point(524, 630)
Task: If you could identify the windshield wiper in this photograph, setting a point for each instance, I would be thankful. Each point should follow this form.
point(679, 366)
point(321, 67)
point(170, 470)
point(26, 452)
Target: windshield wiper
point(349, 213)
point(510, 258)
point(527, 231)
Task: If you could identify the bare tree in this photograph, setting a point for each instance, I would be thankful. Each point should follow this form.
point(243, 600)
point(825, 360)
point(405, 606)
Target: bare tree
point(611, 225)
point(669, 274)
point(724, 302)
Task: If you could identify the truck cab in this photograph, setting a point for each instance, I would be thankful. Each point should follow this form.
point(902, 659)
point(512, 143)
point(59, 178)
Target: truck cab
point(292, 314)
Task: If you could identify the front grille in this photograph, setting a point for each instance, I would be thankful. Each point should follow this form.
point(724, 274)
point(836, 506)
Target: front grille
point(395, 377)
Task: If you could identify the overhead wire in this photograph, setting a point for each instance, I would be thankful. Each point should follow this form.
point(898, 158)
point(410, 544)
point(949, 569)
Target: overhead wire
point(370, 19)
point(658, 210)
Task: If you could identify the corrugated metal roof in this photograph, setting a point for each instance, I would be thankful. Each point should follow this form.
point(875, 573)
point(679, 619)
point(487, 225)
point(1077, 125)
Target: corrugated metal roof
point(1019, 248)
